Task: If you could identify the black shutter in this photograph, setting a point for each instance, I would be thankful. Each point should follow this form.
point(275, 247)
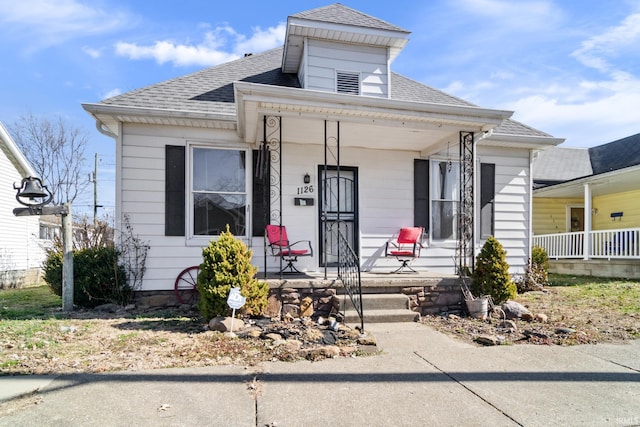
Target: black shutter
point(261, 194)
point(421, 193)
point(174, 195)
point(487, 198)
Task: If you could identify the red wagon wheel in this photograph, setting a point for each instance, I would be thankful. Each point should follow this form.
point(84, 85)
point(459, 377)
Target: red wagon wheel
point(185, 287)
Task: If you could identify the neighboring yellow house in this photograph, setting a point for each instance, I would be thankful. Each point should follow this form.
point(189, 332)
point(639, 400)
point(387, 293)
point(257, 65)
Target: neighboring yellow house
point(586, 204)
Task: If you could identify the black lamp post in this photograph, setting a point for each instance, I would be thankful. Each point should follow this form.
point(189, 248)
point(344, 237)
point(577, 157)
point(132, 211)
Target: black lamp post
point(34, 195)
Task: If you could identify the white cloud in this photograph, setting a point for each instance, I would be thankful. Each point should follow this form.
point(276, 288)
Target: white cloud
point(216, 48)
point(45, 23)
point(527, 15)
point(94, 53)
point(595, 51)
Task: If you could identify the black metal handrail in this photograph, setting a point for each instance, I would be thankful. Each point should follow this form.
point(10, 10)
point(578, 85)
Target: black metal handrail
point(349, 275)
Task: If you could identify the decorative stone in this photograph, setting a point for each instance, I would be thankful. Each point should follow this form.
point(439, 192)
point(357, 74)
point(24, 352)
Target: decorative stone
point(508, 324)
point(528, 317)
point(273, 336)
point(514, 310)
point(487, 340)
point(306, 307)
point(223, 324)
point(565, 331)
point(291, 309)
point(274, 306)
point(367, 340)
point(329, 351)
point(542, 318)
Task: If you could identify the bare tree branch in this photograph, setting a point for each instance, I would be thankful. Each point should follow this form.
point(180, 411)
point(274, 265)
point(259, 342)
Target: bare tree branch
point(56, 152)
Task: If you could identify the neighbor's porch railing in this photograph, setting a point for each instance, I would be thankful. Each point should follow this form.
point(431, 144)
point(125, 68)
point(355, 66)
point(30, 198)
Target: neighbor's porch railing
point(609, 244)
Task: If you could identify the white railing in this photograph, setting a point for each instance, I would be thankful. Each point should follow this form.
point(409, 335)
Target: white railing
point(620, 243)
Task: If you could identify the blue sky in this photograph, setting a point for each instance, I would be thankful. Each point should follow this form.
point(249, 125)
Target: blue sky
point(569, 68)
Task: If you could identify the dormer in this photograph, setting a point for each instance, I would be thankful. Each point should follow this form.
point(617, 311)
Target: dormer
point(339, 49)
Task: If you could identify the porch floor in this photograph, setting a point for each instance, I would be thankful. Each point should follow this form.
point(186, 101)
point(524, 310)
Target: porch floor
point(378, 282)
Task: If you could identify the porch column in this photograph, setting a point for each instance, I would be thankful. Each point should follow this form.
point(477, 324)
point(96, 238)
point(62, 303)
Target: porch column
point(587, 221)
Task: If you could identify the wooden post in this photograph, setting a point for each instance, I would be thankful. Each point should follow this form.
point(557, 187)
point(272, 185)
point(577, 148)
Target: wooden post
point(67, 259)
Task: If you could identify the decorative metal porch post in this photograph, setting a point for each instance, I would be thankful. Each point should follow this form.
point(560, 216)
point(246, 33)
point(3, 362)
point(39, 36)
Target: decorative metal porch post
point(466, 204)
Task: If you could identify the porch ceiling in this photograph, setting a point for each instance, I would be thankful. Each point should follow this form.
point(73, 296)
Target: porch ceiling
point(364, 121)
point(612, 182)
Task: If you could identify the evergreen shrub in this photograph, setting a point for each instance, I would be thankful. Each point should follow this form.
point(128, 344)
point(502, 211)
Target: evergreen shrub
point(97, 277)
point(491, 275)
point(227, 264)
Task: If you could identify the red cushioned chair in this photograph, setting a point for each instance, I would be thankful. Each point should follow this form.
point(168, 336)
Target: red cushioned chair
point(278, 242)
point(406, 247)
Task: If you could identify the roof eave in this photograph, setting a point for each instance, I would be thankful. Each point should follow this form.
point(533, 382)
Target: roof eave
point(299, 29)
point(519, 141)
point(109, 116)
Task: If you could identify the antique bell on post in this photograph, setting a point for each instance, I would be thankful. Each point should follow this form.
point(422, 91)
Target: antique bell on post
point(31, 192)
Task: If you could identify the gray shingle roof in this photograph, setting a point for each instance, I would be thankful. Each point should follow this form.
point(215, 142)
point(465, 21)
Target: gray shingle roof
point(616, 155)
point(559, 164)
point(339, 14)
point(211, 90)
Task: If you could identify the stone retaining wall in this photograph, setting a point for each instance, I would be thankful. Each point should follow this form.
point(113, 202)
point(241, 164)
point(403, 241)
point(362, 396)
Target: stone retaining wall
point(431, 296)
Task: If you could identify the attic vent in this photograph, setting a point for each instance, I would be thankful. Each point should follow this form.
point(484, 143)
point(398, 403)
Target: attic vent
point(348, 82)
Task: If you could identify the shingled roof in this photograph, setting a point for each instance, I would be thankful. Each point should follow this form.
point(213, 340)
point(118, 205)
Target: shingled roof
point(615, 155)
point(211, 90)
point(339, 14)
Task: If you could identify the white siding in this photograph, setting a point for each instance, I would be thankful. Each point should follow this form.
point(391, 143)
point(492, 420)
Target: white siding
point(20, 247)
point(512, 198)
point(142, 195)
point(324, 58)
point(385, 190)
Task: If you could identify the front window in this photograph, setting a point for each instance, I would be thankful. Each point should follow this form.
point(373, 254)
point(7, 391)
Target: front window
point(219, 191)
point(445, 190)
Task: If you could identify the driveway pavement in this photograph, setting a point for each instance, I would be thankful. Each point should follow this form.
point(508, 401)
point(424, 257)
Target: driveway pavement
point(421, 378)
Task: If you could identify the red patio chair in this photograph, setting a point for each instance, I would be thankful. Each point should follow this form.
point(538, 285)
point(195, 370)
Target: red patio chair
point(278, 242)
point(406, 247)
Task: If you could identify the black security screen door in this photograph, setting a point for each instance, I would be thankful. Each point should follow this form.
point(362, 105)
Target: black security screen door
point(338, 210)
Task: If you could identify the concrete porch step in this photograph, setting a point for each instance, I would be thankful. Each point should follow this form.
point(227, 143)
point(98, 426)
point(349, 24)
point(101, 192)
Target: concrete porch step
point(380, 308)
point(381, 316)
point(379, 301)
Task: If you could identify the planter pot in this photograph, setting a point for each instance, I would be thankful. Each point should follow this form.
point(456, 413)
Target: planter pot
point(478, 307)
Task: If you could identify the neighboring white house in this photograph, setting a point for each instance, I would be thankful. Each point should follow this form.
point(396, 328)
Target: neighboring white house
point(21, 248)
point(234, 144)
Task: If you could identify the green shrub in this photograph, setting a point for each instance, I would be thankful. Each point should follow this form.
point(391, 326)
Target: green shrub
point(227, 264)
point(97, 277)
point(491, 275)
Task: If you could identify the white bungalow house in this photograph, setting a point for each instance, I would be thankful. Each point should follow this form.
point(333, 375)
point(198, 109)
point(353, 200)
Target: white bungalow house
point(22, 241)
point(267, 137)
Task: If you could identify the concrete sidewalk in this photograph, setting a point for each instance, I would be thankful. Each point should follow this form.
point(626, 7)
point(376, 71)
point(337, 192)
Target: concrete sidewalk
point(421, 378)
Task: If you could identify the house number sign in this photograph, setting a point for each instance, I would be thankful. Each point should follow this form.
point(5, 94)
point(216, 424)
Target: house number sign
point(305, 189)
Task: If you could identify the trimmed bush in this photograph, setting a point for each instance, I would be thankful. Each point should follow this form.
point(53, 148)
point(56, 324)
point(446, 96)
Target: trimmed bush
point(97, 277)
point(491, 275)
point(227, 264)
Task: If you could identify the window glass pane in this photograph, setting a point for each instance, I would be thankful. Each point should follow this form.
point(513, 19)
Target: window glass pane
point(212, 212)
point(219, 170)
point(445, 220)
point(445, 181)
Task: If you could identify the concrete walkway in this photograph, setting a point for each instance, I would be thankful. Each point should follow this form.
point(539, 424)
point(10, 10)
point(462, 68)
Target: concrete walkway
point(422, 378)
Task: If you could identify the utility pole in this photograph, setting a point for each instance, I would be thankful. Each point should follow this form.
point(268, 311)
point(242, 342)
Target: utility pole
point(94, 178)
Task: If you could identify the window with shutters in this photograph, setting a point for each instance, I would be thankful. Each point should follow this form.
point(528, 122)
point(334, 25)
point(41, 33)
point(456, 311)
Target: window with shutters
point(219, 194)
point(348, 82)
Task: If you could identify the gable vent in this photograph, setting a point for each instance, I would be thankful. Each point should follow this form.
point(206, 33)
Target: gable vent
point(348, 82)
